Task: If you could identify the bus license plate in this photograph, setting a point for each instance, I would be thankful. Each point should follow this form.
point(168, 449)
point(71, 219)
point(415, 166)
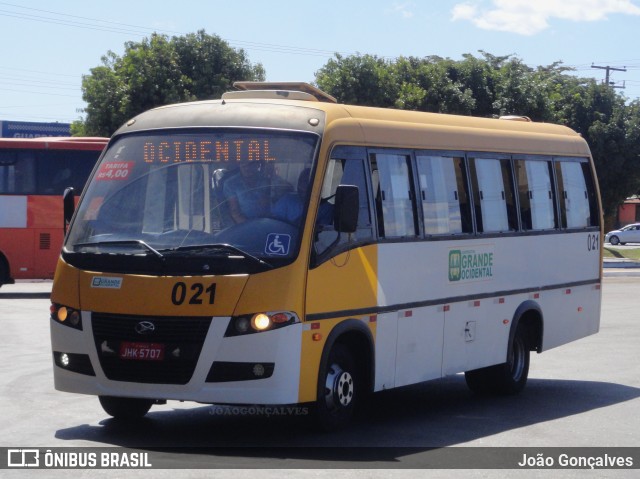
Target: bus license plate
point(141, 351)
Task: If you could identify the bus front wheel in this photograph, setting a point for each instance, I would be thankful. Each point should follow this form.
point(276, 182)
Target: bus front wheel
point(125, 408)
point(338, 389)
point(4, 271)
point(509, 377)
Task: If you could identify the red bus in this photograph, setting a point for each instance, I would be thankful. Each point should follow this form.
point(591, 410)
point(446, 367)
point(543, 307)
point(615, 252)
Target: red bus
point(33, 175)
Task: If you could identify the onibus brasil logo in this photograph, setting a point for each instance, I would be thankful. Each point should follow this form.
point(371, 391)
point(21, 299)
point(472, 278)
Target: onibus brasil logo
point(470, 265)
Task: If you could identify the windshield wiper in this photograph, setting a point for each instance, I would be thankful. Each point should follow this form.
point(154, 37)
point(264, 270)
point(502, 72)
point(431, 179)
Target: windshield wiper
point(123, 243)
point(223, 247)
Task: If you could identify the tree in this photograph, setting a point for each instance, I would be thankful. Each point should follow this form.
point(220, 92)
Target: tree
point(492, 86)
point(430, 84)
point(157, 71)
point(359, 79)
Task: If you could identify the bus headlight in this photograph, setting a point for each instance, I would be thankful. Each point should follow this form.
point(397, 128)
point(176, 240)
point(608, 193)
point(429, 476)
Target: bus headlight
point(65, 315)
point(259, 322)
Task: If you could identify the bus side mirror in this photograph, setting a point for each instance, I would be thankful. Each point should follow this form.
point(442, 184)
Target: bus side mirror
point(347, 205)
point(68, 207)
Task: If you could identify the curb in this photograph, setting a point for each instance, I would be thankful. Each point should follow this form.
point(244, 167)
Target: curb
point(616, 267)
point(620, 263)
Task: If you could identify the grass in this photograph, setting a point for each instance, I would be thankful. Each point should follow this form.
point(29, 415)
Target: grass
point(613, 252)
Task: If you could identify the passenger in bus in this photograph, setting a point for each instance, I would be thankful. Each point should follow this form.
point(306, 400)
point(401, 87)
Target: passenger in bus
point(278, 186)
point(290, 207)
point(247, 193)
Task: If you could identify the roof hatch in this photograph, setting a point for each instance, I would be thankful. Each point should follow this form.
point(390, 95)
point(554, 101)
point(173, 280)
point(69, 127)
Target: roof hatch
point(279, 90)
point(516, 118)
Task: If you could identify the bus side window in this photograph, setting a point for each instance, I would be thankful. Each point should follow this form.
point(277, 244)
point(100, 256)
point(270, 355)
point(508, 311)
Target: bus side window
point(340, 171)
point(575, 208)
point(594, 216)
point(59, 169)
point(493, 195)
point(536, 194)
point(395, 199)
point(17, 172)
point(463, 195)
point(440, 180)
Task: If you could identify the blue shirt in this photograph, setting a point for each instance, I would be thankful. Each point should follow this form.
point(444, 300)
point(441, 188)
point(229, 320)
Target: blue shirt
point(251, 200)
point(288, 208)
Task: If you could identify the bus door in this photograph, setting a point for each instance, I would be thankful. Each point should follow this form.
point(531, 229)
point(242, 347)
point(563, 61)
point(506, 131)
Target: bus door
point(405, 271)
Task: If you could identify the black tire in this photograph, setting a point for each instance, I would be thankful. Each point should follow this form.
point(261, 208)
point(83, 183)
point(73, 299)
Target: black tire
point(4, 271)
point(507, 378)
point(338, 390)
point(479, 380)
point(125, 408)
point(614, 240)
point(511, 377)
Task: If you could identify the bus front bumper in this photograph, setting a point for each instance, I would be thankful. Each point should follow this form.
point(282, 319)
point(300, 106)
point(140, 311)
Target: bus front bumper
point(259, 368)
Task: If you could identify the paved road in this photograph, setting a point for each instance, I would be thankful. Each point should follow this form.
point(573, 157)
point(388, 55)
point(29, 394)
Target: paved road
point(584, 394)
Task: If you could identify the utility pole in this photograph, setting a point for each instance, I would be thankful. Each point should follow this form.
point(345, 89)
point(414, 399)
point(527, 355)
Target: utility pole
point(608, 70)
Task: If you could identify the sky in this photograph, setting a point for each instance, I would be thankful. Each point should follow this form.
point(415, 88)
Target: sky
point(46, 47)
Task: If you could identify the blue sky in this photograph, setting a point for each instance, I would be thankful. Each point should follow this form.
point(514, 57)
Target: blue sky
point(47, 46)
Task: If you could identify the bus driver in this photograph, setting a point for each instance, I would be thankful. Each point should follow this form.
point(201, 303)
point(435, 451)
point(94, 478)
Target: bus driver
point(247, 193)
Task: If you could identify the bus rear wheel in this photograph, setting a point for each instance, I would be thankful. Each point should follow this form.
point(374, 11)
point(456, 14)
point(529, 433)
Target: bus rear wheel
point(338, 390)
point(507, 378)
point(125, 408)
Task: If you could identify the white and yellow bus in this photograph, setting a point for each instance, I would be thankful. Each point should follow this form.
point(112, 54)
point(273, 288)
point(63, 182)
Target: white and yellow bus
point(275, 247)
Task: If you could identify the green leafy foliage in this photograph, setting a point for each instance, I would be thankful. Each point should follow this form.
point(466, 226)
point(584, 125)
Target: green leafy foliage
point(157, 71)
point(492, 86)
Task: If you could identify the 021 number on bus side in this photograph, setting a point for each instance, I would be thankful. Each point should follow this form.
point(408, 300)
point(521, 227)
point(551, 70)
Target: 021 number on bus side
point(593, 242)
point(197, 293)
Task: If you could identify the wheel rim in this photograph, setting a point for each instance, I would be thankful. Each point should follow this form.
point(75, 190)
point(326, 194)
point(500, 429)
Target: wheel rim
point(339, 388)
point(614, 240)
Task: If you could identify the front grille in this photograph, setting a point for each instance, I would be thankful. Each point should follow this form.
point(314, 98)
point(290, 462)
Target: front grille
point(180, 337)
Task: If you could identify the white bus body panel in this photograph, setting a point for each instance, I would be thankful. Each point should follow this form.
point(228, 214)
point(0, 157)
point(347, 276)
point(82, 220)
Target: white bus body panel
point(448, 322)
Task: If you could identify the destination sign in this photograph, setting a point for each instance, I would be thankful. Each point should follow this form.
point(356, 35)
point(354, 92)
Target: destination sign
point(166, 150)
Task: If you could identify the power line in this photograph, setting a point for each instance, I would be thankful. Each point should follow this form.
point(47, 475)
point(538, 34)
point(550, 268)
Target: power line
point(2, 83)
point(80, 17)
point(40, 93)
point(5, 107)
point(46, 83)
point(89, 23)
point(2, 67)
point(117, 27)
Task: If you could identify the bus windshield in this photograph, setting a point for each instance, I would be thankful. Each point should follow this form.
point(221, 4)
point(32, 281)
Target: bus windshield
point(225, 194)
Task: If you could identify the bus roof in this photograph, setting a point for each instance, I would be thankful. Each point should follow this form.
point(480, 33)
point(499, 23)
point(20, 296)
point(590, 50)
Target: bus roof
point(270, 106)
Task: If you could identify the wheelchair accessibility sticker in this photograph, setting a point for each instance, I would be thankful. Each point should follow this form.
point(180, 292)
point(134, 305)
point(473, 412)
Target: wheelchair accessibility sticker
point(278, 244)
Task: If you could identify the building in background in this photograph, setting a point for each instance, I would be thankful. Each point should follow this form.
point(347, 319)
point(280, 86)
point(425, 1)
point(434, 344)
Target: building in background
point(32, 129)
point(628, 212)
